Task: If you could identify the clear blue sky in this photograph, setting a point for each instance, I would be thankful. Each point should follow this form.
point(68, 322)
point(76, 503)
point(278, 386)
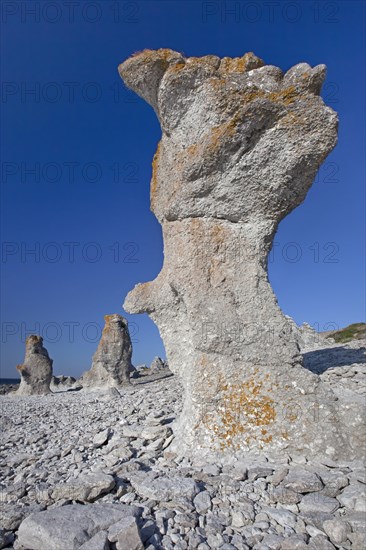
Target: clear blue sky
point(85, 210)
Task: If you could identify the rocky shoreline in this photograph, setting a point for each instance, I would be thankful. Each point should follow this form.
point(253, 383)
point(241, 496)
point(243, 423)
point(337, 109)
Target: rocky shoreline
point(93, 470)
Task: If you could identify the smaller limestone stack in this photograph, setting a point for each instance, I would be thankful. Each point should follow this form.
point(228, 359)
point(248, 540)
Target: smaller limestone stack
point(305, 336)
point(36, 371)
point(111, 365)
point(62, 383)
point(157, 364)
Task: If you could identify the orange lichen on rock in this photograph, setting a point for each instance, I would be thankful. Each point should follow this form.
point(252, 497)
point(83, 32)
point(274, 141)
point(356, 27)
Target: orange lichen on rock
point(177, 67)
point(163, 53)
point(248, 62)
point(154, 178)
point(243, 410)
point(286, 96)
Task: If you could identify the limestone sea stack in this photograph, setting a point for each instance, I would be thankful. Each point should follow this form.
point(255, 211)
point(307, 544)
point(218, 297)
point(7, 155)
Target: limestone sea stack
point(112, 361)
point(36, 371)
point(241, 144)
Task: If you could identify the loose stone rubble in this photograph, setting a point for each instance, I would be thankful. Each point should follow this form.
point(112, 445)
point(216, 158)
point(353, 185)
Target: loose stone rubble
point(241, 144)
point(63, 383)
point(112, 361)
point(95, 470)
point(36, 371)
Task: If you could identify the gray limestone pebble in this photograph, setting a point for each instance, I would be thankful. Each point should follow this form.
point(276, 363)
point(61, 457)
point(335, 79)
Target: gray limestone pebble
point(202, 502)
point(176, 488)
point(320, 542)
point(284, 496)
point(86, 488)
point(273, 542)
point(129, 538)
point(337, 530)
point(257, 472)
point(101, 438)
point(126, 534)
point(294, 542)
point(316, 502)
point(354, 497)
point(12, 515)
point(69, 526)
point(302, 481)
point(281, 516)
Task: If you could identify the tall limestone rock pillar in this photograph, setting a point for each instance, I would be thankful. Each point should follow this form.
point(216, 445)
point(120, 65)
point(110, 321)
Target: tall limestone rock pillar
point(111, 364)
point(241, 144)
point(36, 371)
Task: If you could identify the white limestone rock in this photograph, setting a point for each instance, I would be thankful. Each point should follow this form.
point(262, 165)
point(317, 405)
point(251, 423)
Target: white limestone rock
point(70, 526)
point(36, 370)
point(111, 365)
point(241, 144)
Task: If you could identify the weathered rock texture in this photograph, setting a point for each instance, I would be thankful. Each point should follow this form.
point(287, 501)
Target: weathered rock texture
point(241, 144)
point(36, 371)
point(112, 361)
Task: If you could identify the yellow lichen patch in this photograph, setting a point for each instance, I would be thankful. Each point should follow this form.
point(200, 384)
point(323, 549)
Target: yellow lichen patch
point(108, 318)
point(286, 96)
point(108, 328)
point(176, 67)
point(222, 132)
point(21, 367)
point(216, 137)
point(248, 97)
point(154, 178)
point(233, 65)
point(146, 51)
point(294, 120)
point(217, 83)
point(163, 53)
point(217, 234)
point(192, 149)
point(240, 64)
point(243, 409)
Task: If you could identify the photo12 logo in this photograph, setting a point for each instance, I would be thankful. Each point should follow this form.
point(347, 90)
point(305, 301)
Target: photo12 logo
point(268, 11)
point(69, 11)
point(55, 331)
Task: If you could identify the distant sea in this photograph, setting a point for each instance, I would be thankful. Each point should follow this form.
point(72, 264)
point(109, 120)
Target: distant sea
point(4, 381)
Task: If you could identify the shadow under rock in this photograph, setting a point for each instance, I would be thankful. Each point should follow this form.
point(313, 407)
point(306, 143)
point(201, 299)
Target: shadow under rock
point(149, 379)
point(320, 360)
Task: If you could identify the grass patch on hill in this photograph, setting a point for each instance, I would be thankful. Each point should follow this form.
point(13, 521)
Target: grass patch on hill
point(356, 331)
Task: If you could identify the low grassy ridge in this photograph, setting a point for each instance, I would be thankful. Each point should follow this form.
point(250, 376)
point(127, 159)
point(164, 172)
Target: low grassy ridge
point(357, 331)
